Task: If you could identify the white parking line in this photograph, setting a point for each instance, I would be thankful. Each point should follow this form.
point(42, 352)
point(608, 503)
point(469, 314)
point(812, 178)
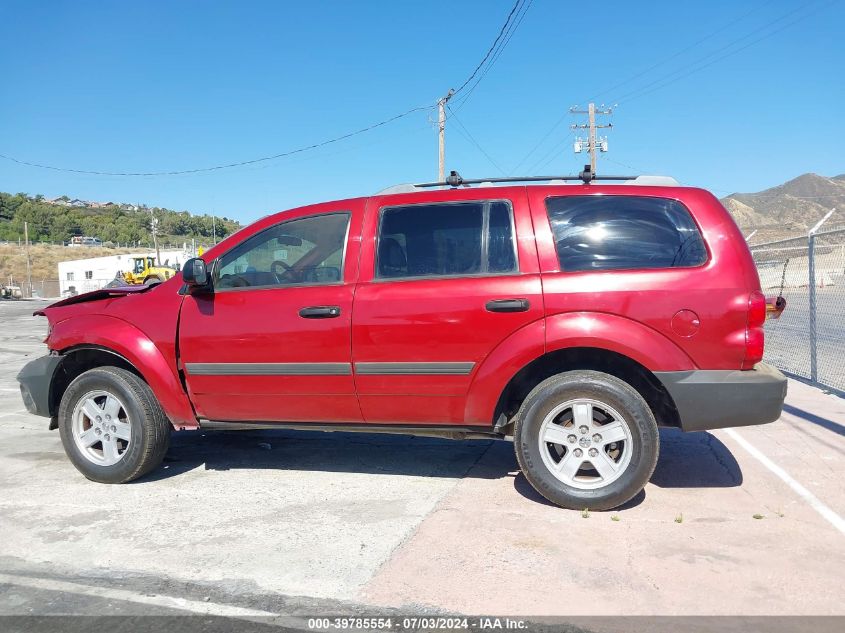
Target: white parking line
point(195, 606)
point(834, 519)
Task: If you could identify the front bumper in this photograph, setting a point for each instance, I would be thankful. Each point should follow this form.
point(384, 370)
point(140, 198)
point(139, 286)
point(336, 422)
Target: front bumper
point(35, 379)
point(715, 399)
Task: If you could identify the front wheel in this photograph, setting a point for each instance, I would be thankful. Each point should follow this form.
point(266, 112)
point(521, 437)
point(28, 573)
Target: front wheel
point(586, 440)
point(112, 427)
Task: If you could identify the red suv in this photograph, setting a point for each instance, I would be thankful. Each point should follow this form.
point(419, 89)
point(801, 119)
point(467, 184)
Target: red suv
point(576, 318)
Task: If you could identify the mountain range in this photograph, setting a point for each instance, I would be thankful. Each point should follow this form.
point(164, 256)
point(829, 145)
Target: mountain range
point(791, 208)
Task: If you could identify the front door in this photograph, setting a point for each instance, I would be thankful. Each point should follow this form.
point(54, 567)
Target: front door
point(272, 341)
point(442, 284)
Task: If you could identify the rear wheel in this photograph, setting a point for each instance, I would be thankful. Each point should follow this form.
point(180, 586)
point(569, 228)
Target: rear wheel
point(585, 439)
point(112, 427)
point(152, 279)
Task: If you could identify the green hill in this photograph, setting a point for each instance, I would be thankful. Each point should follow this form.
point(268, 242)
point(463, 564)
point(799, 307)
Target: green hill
point(60, 220)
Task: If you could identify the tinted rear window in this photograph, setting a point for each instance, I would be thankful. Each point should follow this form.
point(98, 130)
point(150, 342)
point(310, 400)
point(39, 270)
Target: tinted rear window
point(623, 232)
point(443, 240)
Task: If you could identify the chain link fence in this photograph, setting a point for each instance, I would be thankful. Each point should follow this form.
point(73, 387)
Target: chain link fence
point(808, 340)
point(40, 288)
point(52, 288)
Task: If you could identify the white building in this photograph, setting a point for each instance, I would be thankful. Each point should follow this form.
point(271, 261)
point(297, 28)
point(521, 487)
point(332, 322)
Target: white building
point(84, 275)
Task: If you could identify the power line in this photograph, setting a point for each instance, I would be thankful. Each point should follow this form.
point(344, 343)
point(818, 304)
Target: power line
point(493, 53)
point(638, 92)
point(472, 140)
point(509, 33)
point(675, 55)
point(227, 165)
point(630, 95)
point(492, 46)
point(669, 79)
point(627, 81)
point(548, 157)
point(506, 31)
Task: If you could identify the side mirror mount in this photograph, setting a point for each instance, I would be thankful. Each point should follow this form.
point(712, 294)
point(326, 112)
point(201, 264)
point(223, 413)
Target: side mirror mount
point(195, 274)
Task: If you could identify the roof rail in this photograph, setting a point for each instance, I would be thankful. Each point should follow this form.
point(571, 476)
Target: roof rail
point(587, 176)
point(455, 180)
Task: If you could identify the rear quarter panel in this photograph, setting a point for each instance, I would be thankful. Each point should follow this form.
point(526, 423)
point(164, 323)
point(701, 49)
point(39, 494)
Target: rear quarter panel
point(716, 291)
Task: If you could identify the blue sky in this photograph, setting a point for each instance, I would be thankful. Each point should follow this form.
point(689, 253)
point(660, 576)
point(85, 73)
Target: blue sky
point(154, 85)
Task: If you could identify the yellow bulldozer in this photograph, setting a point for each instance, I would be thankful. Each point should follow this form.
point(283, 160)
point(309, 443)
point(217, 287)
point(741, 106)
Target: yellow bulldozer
point(145, 271)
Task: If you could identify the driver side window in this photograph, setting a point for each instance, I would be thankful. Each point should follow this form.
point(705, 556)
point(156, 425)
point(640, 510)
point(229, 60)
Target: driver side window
point(304, 252)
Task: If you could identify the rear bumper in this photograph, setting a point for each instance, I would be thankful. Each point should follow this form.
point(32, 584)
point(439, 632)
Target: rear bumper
point(35, 379)
point(715, 399)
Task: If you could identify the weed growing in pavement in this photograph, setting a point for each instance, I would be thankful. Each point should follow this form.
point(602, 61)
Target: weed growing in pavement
point(679, 518)
point(585, 514)
point(614, 517)
point(759, 516)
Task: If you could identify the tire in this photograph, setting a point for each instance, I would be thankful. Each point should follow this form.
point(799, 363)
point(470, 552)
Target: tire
point(149, 281)
point(138, 432)
point(599, 401)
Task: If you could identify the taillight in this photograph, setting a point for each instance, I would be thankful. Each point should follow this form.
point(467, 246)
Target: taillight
point(754, 337)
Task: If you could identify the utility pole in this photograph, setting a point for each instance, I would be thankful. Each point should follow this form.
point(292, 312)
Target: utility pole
point(154, 226)
point(593, 143)
point(441, 126)
point(214, 228)
point(28, 264)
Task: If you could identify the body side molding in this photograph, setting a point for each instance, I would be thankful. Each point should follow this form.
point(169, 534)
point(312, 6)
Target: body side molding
point(268, 369)
point(389, 369)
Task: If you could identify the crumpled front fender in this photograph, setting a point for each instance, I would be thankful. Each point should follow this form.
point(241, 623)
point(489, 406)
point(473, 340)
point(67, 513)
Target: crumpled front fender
point(122, 338)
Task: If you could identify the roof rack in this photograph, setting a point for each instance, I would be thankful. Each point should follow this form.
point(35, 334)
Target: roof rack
point(587, 176)
point(455, 180)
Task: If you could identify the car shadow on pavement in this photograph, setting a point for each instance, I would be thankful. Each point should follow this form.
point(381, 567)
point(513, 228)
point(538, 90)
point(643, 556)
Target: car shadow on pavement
point(694, 460)
point(687, 460)
point(366, 453)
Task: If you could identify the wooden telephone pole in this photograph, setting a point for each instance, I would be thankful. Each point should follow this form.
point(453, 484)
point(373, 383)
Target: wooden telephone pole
point(441, 125)
point(593, 144)
point(28, 260)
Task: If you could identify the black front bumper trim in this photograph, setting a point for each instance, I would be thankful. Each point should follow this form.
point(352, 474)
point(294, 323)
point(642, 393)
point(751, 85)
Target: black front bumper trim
point(35, 379)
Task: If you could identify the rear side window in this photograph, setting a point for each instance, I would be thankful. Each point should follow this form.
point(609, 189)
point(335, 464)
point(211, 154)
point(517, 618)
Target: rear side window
point(623, 232)
point(443, 240)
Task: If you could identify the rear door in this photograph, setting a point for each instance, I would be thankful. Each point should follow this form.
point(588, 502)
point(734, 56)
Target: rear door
point(272, 342)
point(442, 283)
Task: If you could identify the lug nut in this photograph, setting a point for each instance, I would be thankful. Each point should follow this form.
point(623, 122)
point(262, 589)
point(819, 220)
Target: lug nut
point(578, 452)
point(108, 417)
point(583, 430)
point(99, 419)
point(597, 438)
point(97, 431)
point(572, 439)
point(593, 452)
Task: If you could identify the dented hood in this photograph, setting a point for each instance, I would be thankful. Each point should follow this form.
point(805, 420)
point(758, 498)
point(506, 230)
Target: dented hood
point(96, 295)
